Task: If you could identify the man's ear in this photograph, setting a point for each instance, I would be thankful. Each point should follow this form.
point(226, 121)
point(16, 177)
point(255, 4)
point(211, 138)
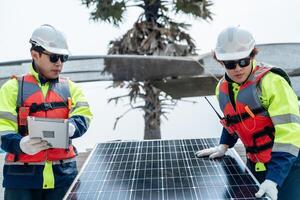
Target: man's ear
point(34, 54)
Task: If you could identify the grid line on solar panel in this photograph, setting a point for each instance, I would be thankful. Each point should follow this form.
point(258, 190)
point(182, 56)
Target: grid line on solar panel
point(161, 169)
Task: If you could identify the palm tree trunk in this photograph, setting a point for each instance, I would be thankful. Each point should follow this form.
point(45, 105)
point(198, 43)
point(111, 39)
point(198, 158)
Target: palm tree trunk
point(152, 112)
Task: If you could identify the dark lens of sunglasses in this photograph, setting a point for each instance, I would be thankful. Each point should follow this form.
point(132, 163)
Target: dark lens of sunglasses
point(244, 62)
point(232, 64)
point(54, 58)
point(64, 58)
point(229, 64)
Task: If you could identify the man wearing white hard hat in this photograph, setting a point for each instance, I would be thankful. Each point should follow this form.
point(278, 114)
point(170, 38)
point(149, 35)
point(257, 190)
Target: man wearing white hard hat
point(33, 170)
point(261, 109)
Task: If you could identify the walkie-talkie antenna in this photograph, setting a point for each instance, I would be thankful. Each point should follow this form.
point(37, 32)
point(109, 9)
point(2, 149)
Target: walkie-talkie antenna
point(213, 108)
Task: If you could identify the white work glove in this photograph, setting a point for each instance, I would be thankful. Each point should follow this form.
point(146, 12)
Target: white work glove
point(32, 146)
point(72, 129)
point(213, 152)
point(269, 188)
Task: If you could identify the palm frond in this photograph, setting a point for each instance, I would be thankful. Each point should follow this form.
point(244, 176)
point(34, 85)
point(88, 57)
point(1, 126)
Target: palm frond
point(106, 10)
point(196, 8)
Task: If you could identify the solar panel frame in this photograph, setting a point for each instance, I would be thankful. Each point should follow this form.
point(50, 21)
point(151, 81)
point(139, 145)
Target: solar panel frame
point(162, 169)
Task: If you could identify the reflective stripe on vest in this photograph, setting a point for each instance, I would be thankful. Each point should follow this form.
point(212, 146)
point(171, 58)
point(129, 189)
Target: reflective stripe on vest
point(256, 132)
point(284, 119)
point(29, 92)
point(8, 115)
point(79, 104)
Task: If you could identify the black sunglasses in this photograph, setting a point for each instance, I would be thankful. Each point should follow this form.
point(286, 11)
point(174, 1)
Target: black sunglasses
point(231, 64)
point(54, 57)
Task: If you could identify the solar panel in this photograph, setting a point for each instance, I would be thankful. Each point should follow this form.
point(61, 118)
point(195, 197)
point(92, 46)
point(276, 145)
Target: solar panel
point(161, 169)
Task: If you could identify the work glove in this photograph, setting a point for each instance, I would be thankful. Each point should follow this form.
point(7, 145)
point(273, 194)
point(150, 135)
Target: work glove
point(213, 152)
point(32, 146)
point(72, 129)
point(269, 188)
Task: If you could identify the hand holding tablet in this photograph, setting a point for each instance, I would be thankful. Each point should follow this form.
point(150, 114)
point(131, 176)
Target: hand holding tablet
point(54, 131)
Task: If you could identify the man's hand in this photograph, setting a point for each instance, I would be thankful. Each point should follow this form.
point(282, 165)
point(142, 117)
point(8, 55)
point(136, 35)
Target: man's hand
point(214, 152)
point(72, 129)
point(32, 146)
point(269, 188)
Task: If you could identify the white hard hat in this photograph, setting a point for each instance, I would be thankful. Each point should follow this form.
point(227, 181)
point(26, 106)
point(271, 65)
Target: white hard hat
point(234, 43)
point(50, 39)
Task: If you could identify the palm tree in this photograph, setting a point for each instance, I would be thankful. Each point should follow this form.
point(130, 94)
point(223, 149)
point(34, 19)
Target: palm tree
point(154, 33)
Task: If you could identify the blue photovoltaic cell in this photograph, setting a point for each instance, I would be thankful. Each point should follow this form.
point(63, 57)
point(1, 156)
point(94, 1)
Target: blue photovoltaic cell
point(161, 169)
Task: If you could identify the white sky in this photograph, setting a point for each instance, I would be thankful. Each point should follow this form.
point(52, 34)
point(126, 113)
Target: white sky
point(269, 21)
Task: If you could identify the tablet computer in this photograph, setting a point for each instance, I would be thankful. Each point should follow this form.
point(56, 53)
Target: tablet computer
point(54, 131)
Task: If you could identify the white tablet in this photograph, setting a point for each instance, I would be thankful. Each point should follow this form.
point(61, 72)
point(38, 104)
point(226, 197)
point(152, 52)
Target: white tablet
point(54, 131)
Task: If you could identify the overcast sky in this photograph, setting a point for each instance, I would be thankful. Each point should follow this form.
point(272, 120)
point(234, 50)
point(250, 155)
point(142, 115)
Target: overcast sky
point(268, 20)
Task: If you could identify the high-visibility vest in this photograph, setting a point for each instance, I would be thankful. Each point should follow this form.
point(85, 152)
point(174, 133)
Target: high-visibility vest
point(31, 102)
point(249, 119)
